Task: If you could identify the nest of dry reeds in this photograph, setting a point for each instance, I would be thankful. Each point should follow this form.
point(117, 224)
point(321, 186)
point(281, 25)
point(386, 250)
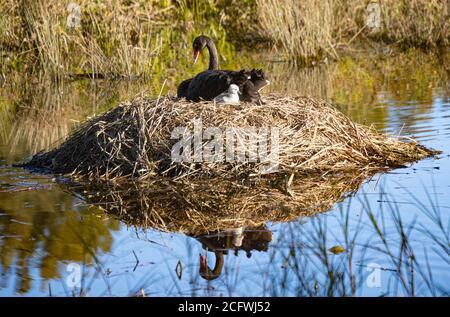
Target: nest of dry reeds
point(135, 140)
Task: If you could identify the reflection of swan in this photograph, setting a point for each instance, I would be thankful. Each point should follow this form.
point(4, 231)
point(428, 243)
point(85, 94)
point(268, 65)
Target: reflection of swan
point(235, 239)
point(238, 236)
point(206, 272)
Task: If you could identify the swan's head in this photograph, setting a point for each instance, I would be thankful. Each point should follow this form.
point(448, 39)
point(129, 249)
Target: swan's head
point(258, 78)
point(240, 77)
point(233, 89)
point(199, 43)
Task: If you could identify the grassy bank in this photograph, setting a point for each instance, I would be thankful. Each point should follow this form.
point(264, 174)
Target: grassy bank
point(111, 39)
point(151, 38)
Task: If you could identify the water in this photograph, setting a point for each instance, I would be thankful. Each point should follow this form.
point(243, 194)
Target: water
point(394, 230)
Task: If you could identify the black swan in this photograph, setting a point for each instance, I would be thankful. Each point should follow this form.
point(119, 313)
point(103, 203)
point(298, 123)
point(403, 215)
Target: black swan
point(209, 84)
point(199, 43)
point(251, 88)
point(212, 82)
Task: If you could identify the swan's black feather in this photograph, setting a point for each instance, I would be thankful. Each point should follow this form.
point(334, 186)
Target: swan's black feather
point(183, 88)
point(209, 84)
point(250, 90)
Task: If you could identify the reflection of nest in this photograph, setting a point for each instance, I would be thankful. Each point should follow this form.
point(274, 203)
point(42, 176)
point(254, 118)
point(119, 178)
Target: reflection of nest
point(223, 215)
point(210, 205)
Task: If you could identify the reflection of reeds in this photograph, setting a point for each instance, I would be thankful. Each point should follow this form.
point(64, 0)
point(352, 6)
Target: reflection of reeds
point(216, 204)
point(41, 115)
point(44, 118)
point(363, 85)
point(381, 240)
point(5, 119)
point(356, 80)
point(35, 242)
point(298, 262)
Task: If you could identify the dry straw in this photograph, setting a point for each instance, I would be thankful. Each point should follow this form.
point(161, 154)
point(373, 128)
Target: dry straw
point(134, 140)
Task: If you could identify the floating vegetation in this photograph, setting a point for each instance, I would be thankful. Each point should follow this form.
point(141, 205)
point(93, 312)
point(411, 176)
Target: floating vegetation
point(136, 141)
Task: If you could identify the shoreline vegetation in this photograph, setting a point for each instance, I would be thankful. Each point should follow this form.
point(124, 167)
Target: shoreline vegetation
point(150, 40)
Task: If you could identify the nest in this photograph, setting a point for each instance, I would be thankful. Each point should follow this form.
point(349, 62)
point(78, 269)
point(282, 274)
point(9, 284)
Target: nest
point(123, 162)
point(135, 141)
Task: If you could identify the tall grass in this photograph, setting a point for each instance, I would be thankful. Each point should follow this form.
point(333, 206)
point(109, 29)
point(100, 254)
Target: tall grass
point(303, 29)
point(110, 41)
point(309, 30)
point(138, 38)
point(416, 22)
point(132, 39)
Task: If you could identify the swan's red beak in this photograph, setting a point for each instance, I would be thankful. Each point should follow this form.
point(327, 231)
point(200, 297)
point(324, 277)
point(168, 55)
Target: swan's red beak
point(196, 53)
point(203, 263)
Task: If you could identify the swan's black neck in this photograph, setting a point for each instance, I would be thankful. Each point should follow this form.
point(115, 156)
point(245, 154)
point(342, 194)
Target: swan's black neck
point(213, 58)
point(209, 274)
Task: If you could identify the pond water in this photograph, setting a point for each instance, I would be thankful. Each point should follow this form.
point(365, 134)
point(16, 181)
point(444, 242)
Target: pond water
point(394, 231)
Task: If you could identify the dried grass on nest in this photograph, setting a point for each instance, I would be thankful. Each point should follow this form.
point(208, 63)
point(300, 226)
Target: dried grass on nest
point(134, 140)
point(209, 205)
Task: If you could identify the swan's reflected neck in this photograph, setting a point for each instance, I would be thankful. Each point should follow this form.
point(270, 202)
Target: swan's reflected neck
point(209, 274)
